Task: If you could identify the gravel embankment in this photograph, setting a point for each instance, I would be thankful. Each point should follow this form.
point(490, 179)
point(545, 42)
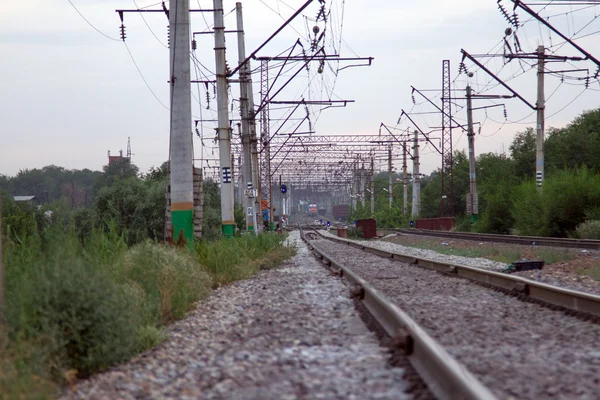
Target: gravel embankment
point(429, 254)
point(288, 333)
point(519, 350)
point(564, 274)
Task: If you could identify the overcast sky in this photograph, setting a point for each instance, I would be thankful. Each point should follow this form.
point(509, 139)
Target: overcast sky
point(68, 94)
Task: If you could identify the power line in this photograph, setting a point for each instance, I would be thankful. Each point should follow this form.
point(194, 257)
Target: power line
point(143, 78)
point(90, 24)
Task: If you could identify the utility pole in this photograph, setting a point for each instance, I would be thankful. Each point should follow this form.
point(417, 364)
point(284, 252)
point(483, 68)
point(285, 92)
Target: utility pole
point(473, 198)
point(539, 141)
point(181, 155)
point(404, 181)
point(224, 132)
point(363, 184)
point(416, 195)
point(390, 188)
point(246, 148)
point(372, 186)
point(354, 188)
point(280, 204)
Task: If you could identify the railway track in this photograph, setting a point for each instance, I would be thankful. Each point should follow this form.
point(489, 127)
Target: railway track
point(489, 237)
point(450, 326)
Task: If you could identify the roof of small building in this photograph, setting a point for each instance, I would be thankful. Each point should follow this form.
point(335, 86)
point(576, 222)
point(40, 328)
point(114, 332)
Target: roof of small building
point(23, 198)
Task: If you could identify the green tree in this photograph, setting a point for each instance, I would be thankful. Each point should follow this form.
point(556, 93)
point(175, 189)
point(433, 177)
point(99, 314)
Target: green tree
point(576, 145)
point(522, 151)
point(136, 205)
point(495, 184)
point(431, 190)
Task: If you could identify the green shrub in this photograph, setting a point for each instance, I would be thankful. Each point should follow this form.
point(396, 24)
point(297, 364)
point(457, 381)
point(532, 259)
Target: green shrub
point(170, 277)
point(563, 203)
point(228, 260)
point(79, 317)
point(589, 230)
point(463, 223)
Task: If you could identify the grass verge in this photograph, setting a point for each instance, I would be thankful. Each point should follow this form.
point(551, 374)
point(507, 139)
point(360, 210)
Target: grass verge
point(503, 254)
point(75, 308)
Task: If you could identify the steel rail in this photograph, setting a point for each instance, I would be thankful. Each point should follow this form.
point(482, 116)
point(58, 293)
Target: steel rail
point(491, 237)
point(445, 377)
point(554, 295)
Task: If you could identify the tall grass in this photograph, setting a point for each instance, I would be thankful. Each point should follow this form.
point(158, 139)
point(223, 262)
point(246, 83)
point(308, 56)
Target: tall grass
point(228, 260)
point(75, 307)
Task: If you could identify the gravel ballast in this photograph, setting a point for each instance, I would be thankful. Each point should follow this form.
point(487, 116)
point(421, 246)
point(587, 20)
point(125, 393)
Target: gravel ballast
point(549, 275)
point(287, 333)
point(518, 349)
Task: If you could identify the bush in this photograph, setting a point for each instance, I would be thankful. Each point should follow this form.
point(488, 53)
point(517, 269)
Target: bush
point(78, 315)
point(565, 200)
point(589, 230)
point(228, 260)
point(170, 277)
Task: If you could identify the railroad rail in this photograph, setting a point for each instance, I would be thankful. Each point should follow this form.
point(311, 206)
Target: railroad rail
point(444, 376)
point(490, 237)
point(554, 295)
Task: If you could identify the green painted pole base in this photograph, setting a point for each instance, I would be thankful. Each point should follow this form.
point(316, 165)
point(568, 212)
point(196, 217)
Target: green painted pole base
point(474, 217)
point(228, 230)
point(251, 228)
point(183, 222)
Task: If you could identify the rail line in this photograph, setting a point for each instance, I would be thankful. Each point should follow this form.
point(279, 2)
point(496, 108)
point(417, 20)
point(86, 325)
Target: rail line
point(445, 377)
point(570, 299)
point(456, 327)
point(490, 237)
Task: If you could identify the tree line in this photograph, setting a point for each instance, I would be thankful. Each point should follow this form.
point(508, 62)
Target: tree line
point(508, 199)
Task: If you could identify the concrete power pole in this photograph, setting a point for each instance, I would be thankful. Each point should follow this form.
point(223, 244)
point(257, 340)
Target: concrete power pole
point(473, 205)
point(372, 186)
point(224, 132)
point(404, 181)
point(539, 141)
point(390, 188)
point(354, 188)
point(181, 154)
point(416, 195)
point(245, 111)
point(363, 184)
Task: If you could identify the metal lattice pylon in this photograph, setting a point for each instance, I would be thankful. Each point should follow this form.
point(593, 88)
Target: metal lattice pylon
point(265, 157)
point(447, 200)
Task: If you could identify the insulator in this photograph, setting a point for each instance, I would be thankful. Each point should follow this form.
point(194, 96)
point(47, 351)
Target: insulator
point(504, 12)
point(169, 36)
point(515, 20)
point(505, 115)
point(198, 133)
point(413, 99)
point(123, 36)
point(194, 44)
point(587, 82)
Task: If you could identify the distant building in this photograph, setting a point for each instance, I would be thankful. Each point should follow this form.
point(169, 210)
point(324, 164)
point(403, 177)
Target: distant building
point(119, 158)
point(25, 199)
point(116, 159)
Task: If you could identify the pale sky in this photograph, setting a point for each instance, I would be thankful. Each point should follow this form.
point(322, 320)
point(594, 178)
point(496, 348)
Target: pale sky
point(68, 94)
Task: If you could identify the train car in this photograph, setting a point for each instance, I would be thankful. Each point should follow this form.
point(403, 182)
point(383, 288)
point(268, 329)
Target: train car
point(312, 210)
point(322, 211)
point(340, 212)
